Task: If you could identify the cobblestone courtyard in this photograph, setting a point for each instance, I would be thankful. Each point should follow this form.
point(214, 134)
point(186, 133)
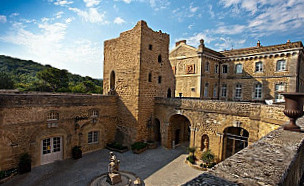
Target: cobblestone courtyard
point(156, 167)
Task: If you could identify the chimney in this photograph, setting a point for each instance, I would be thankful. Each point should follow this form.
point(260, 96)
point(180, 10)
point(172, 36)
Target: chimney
point(288, 41)
point(258, 43)
point(180, 42)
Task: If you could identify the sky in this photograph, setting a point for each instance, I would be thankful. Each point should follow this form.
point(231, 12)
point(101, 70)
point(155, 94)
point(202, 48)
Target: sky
point(69, 34)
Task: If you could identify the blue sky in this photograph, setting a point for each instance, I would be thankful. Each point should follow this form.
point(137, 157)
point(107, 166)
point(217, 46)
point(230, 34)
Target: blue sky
point(69, 34)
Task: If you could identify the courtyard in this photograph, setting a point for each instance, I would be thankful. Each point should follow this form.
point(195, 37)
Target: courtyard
point(156, 167)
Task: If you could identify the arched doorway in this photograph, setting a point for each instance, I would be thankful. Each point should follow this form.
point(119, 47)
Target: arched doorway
point(169, 93)
point(235, 139)
point(112, 81)
point(157, 134)
point(180, 131)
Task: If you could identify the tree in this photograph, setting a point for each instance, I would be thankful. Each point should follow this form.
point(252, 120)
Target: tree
point(6, 81)
point(57, 79)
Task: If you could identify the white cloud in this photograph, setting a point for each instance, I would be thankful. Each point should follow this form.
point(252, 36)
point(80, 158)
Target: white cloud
point(127, 1)
point(91, 3)
point(48, 46)
point(59, 14)
point(14, 14)
point(119, 20)
point(3, 19)
point(62, 2)
point(193, 9)
point(230, 30)
point(69, 20)
point(159, 4)
point(92, 15)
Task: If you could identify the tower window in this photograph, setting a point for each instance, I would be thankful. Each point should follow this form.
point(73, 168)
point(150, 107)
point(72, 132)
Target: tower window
point(150, 77)
point(159, 79)
point(150, 47)
point(159, 58)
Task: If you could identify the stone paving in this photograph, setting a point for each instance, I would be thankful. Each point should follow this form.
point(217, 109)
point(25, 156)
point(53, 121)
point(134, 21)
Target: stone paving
point(156, 167)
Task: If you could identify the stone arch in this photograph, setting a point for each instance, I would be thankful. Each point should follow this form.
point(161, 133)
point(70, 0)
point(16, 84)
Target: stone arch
point(204, 143)
point(179, 129)
point(178, 112)
point(234, 140)
point(112, 80)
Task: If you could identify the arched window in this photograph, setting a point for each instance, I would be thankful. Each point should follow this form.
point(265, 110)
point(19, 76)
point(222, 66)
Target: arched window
point(169, 93)
point(159, 58)
point(112, 80)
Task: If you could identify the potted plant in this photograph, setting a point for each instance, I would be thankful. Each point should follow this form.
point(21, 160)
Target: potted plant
point(76, 152)
point(24, 164)
point(114, 146)
point(208, 159)
point(191, 158)
point(139, 147)
point(152, 144)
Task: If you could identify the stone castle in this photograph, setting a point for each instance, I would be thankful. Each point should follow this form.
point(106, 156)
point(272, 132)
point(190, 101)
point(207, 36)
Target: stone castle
point(141, 81)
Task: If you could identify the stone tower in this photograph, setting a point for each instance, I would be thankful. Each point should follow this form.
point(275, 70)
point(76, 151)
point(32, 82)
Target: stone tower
point(137, 69)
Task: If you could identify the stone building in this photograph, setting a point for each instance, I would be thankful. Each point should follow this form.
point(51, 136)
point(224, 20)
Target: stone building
point(139, 101)
point(249, 74)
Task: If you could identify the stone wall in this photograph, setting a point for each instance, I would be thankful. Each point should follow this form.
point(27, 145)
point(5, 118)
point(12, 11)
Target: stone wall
point(24, 123)
point(213, 117)
point(139, 58)
point(276, 159)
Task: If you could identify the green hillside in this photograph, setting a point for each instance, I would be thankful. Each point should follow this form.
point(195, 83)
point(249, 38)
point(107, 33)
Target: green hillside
point(31, 76)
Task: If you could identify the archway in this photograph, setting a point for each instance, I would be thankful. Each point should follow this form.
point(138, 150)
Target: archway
point(180, 131)
point(157, 134)
point(112, 80)
point(235, 139)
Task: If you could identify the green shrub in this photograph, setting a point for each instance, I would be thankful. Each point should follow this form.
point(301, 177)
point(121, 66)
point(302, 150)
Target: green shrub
point(191, 159)
point(191, 149)
point(24, 163)
point(116, 145)
point(208, 157)
point(76, 152)
point(7, 173)
point(138, 145)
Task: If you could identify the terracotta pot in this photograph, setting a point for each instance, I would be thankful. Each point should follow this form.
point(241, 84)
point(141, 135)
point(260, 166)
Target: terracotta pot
point(293, 109)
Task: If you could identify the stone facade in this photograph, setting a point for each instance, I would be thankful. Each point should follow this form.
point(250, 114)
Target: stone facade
point(211, 118)
point(236, 75)
point(139, 60)
point(25, 123)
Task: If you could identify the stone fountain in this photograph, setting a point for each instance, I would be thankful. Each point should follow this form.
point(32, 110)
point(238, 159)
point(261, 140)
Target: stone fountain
point(116, 177)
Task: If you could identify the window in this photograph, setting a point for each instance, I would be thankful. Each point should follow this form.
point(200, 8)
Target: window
point(216, 69)
point(93, 137)
point(279, 88)
point(259, 66)
point(239, 68)
point(214, 90)
point(159, 58)
point(150, 47)
point(258, 91)
point(206, 90)
point(150, 77)
point(94, 113)
point(238, 91)
point(53, 116)
point(207, 67)
point(225, 69)
point(224, 90)
point(159, 79)
point(281, 65)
